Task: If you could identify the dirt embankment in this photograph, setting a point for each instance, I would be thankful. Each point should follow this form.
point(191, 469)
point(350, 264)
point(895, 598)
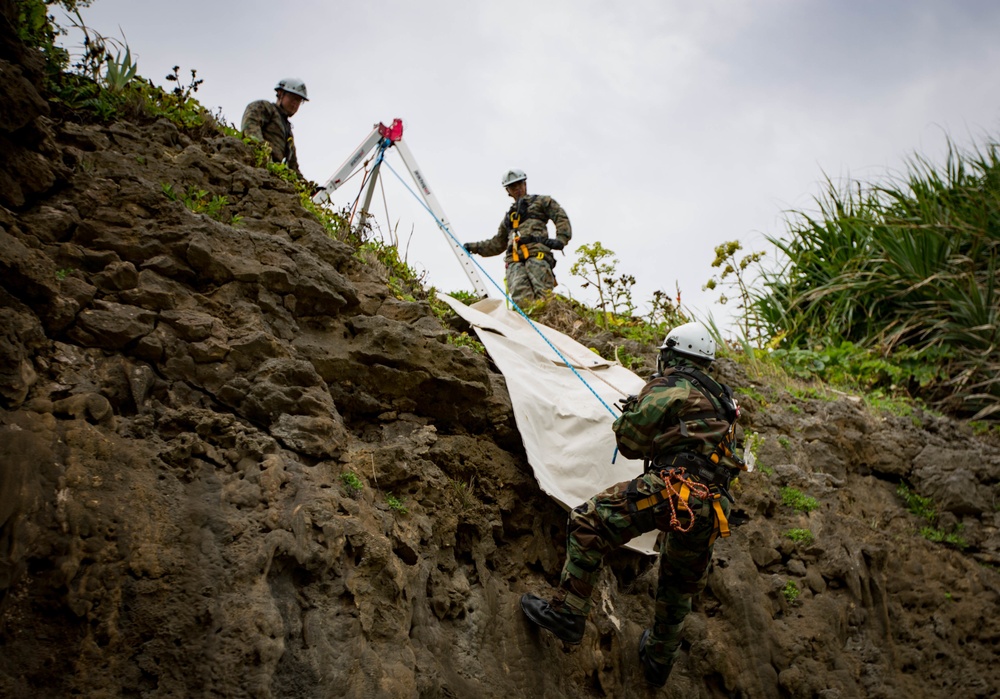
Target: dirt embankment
point(233, 464)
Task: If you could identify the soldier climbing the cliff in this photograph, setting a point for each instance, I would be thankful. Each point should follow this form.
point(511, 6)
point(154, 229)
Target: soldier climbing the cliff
point(524, 236)
point(683, 425)
point(269, 121)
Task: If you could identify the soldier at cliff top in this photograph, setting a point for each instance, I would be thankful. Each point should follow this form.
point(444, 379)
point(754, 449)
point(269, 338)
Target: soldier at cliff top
point(524, 238)
point(269, 121)
point(683, 424)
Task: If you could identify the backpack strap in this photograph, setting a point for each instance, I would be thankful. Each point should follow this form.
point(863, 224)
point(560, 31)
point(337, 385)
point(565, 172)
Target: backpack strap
point(729, 414)
point(722, 394)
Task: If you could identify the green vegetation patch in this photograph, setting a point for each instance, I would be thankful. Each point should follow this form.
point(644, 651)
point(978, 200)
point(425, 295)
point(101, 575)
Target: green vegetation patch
point(953, 538)
point(800, 536)
point(395, 504)
point(616, 309)
point(894, 285)
point(352, 484)
point(466, 340)
point(791, 592)
point(925, 509)
point(198, 201)
point(798, 500)
point(917, 504)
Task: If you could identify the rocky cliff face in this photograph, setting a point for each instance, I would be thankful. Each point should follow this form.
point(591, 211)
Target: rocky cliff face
point(233, 464)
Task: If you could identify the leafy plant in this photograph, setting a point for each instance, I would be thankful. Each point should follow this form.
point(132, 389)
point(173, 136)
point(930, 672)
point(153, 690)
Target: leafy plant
point(812, 392)
point(119, 71)
point(353, 485)
point(800, 536)
point(917, 504)
point(402, 279)
point(198, 201)
point(906, 270)
point(183, 93)
point(627, 360)
point(395, 504)
point(104, 82)
point(880, 402)
point(937, 536)
point(733, 275)
point(280, 169)
point(38, 29)
point(753, 394)
point(463, 492)
point(620, 294)
point(465, 340)
point(982, 428)
point(798, 500)
point(466, 297)
point(178, 105)
point(925, 509)
point(664, 310)
point(596, 264)
point(63, 273)
point(791, 592)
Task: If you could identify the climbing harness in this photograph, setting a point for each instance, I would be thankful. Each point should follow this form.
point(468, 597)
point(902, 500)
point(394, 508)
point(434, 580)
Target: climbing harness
point(519, 248)
point(677, 469)
point(516, 244)
point(677, 497)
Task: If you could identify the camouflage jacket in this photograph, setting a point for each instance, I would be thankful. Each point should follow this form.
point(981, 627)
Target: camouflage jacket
point(652, 427)
point(534, 212)
point(264, 121)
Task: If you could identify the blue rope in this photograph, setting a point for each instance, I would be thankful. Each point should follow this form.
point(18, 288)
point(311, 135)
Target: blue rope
point(443, 227)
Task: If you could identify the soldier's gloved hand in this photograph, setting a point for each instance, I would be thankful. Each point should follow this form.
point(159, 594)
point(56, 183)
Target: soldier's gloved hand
point(627, 404)
point(471, 248)
point(554, 244)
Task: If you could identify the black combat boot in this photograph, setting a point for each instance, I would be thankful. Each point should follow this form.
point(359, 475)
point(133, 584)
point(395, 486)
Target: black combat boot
point(566, 625)
point(656, 673)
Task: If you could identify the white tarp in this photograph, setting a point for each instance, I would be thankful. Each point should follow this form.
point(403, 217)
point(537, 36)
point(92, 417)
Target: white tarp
point(565, 428)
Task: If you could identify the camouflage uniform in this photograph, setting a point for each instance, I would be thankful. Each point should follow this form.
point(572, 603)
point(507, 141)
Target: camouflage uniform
point(652, 428)
point(529, 268)
point(264, 121)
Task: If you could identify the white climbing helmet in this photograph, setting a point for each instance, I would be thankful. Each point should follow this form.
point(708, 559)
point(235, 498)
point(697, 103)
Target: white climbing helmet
point(293, 85)
point(691, 339)
point(513, 177)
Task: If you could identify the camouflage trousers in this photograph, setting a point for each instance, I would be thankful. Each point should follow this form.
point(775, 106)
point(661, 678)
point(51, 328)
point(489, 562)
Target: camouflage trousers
point(529, 281)
point(604, 523)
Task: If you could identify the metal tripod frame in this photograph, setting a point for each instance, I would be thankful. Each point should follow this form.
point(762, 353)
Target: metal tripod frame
point(384, 137)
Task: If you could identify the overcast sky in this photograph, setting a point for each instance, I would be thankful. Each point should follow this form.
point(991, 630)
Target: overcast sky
point(663, 127)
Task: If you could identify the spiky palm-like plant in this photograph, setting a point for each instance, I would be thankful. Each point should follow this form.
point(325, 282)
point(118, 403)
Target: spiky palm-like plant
point(909, 266)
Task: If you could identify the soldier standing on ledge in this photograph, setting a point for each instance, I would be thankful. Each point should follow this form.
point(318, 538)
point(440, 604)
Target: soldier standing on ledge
point(269, 121)
point(524, 237)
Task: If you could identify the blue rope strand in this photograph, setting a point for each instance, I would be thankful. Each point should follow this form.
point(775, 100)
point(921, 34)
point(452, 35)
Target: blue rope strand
point(443, 227)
